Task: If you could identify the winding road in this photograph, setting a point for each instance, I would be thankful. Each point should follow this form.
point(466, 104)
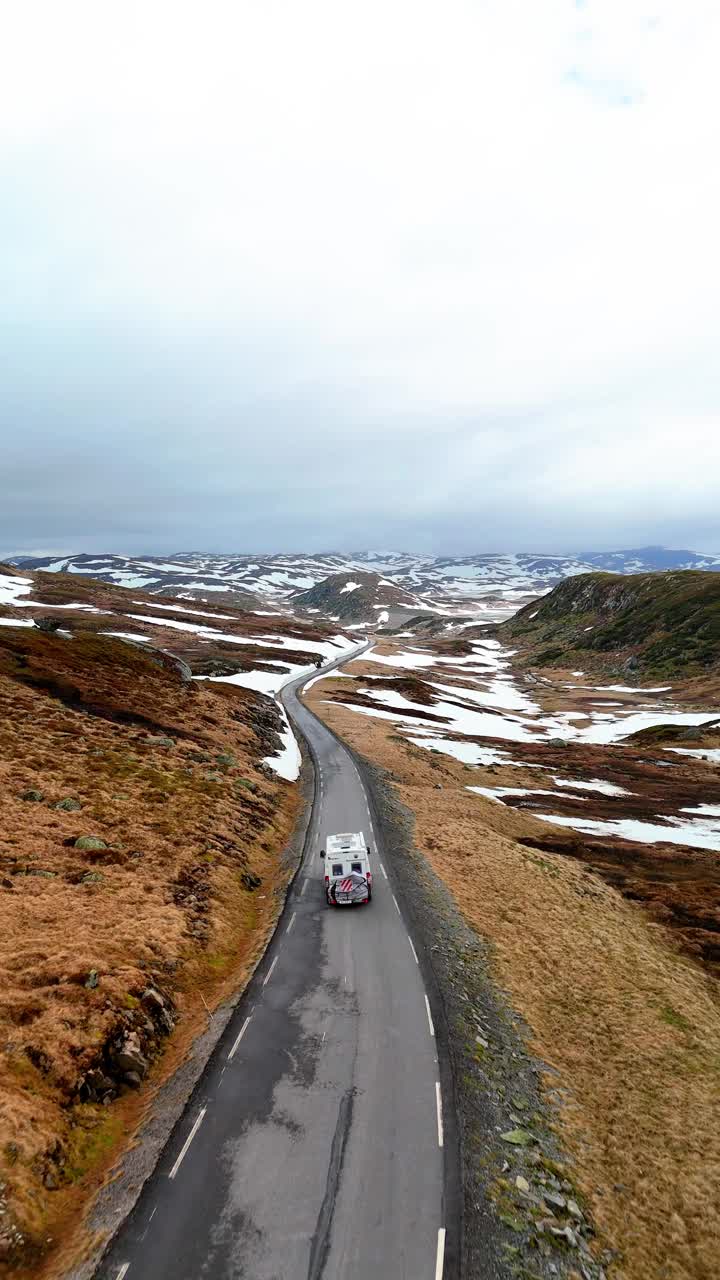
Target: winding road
point(312, 1148)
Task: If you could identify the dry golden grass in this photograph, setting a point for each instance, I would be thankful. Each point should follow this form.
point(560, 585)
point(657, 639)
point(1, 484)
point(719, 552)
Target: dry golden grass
point(182, 824)
point(631, 1026)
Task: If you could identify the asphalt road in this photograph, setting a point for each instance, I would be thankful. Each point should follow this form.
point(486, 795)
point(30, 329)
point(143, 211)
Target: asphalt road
point(313, 1145)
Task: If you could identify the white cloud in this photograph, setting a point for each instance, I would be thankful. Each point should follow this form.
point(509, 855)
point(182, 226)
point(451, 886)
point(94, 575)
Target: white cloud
point(226, 224)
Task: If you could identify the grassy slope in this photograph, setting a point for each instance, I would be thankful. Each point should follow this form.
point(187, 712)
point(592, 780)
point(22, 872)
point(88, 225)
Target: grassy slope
point(664, 625)
point(189, 823)
point(630, 1028)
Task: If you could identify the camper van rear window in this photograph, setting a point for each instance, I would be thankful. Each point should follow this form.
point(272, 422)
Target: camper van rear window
point(337, 868)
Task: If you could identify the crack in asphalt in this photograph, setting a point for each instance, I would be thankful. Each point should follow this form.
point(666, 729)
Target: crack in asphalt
point(321, 1238)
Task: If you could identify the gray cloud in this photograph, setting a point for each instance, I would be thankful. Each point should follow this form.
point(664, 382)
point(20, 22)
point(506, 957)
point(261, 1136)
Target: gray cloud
point(396, 285)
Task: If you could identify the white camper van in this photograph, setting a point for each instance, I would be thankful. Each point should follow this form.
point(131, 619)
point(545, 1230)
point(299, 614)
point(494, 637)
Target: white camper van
point(348, 877)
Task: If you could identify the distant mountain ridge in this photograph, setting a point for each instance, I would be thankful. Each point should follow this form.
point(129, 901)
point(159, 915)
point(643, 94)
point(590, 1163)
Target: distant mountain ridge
point(512, 577)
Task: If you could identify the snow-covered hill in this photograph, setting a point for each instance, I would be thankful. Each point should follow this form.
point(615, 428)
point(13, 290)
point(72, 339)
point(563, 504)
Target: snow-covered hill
point(272, 580)
point(358, 596)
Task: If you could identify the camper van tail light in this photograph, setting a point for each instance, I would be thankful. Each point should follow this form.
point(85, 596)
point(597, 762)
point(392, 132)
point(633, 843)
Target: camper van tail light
point(369, 877)
point(327, 879)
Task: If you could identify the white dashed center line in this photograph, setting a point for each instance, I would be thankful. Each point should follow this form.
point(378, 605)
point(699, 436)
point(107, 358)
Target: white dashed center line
point(413, 950)
point(429, 1017)
point(302, 888)
point(440, 1254)
point(123, 1271)
point(188, 1140)
point(383, 870)
point(268, 975)
point(438, 1100)
point(292, 921)
point(241, 1033)
point(147, 1228)
point(396, 903)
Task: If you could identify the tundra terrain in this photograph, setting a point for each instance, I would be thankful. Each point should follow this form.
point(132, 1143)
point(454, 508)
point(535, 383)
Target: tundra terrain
point(485, 583)
point(577, 828)
point(146, 817)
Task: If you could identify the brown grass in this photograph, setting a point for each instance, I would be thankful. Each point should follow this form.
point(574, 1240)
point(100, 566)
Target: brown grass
point(170, 908)
point(631, 1026)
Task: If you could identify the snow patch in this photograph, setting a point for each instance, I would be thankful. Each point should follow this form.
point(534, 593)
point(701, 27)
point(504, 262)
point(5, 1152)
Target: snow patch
point(288, 762)
point(699, 835)
point(177, 608)
point(712, 754)
point(498, 793)
point(127, 635)
point(12, 588)
point(594, 784)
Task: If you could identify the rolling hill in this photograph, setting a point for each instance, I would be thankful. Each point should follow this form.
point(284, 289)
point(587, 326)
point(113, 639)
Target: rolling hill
point(658, 625)
point(357, 597)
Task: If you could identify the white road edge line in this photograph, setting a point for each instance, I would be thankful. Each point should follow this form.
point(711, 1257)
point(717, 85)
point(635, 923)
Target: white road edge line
point(413, 949)
point(188, 1140)
point(268, 975)
point(383, 870)
point(292, 921)
point(396, 903)
point(440, 1262)
point(438, 1100)
point(430, 1021)
point(241, 1033)
point(123, 1271)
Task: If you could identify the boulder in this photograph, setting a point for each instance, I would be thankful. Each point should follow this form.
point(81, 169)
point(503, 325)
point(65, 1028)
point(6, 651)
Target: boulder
point(152, 1000)
point(553, 1200)
point(32, 795)
point(96, 1085)
point(68, 805)
point(518, 1137)
point(90, 842)
point(159, 741)
point(129, 1056)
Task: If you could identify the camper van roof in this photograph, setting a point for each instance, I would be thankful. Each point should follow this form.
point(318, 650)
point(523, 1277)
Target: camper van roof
point(347, 842)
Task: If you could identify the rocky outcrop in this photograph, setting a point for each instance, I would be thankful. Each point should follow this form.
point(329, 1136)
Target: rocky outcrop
point(267, 724)
point(130, 1048)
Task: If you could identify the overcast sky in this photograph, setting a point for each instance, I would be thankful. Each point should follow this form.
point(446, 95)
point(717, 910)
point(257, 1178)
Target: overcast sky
point(295, 276)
